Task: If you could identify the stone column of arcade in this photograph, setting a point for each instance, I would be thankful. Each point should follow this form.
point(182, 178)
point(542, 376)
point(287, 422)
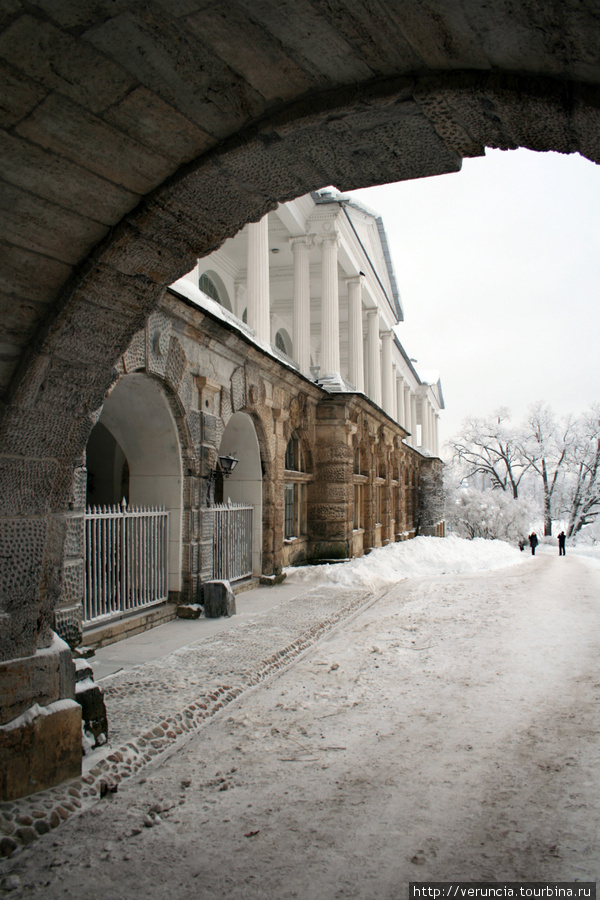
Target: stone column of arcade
point(301, 250)
point(355, 333)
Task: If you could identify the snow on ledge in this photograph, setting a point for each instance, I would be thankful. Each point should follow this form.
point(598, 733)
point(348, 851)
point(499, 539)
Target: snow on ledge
point(35, 711)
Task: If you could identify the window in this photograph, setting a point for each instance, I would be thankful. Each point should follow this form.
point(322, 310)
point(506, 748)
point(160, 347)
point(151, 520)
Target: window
point(295, 491)
point(378, 504)
point(208, 287)
point(289, 511)
point(359, 514)
point(294, 458)
point(295, 509)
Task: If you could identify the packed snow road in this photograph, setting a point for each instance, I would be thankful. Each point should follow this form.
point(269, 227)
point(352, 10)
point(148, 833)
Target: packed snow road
point(450, 731)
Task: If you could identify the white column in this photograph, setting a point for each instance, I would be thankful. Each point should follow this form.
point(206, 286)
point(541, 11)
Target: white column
point(374, 380)
point(394, 392)
point(424, 423)
point(387, 391)
point(259, 318)
point(356, 366)
point(407, 418)
point(413, 418)
point(400, 400)
point(330, 316)
point(301, 249)
point(436, 434)
point(431, 427)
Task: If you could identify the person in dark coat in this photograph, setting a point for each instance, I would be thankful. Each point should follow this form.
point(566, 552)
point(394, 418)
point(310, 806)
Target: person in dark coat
point(561, 543)
point(533, 542)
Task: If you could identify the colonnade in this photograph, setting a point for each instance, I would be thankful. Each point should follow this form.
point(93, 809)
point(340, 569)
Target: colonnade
point(371, 366)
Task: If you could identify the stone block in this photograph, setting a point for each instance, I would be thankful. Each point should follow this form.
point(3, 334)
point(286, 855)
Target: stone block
point(68, 624)
point(218, 599)
point(55, 231)
point(62, 182)
point(189, 611)
point(60, 125)
point(272, 580)
point(74, 540)
point(40, 749)
point(41, 679)
point(19, 96)
point(156, 124)
point(56, 59)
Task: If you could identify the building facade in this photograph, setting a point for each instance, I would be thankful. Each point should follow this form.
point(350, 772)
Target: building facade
point(277, 350)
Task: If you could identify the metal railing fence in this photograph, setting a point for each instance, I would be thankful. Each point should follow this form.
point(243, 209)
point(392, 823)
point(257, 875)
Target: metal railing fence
point(232, 543)
point(126, 560)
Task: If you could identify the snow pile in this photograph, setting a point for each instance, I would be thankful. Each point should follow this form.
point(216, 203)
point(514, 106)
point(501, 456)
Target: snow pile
point(422, 556)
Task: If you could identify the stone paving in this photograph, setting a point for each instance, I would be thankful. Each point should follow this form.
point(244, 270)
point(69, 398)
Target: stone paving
point(154, 705)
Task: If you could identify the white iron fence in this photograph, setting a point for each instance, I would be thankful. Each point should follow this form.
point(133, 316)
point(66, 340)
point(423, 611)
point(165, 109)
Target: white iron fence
point(125, 560)
point(232, 545)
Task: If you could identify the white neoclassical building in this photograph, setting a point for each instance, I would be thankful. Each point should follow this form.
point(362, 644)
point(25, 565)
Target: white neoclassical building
point(278, 351)
point(314, 283)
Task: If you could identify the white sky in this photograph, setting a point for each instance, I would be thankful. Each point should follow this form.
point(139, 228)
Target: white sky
point(498, 267)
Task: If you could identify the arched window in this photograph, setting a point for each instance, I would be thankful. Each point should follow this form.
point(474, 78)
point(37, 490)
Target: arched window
point(208, 287)
point(212, 285)
point(294, 458)
point(283, 342)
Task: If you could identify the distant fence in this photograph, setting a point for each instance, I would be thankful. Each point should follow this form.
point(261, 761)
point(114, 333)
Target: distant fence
point(126, 560)
point(232, 543)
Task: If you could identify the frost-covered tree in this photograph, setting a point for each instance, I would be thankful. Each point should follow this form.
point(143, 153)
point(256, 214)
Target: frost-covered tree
point(546, 445)
point(472, 513)
point(555, 461)
point(584, 473)
point(430, 499)
point(491, 447)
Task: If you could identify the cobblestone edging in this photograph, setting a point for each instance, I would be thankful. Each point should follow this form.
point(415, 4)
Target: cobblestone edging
point(26, 819)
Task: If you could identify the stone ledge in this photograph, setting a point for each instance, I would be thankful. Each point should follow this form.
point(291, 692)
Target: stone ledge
point(118, 630)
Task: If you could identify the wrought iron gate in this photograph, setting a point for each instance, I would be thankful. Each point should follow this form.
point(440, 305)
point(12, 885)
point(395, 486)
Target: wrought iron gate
point(126, 565)
point(232, 543)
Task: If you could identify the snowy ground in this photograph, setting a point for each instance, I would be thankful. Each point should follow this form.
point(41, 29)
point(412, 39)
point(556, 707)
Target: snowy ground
point(448, 731)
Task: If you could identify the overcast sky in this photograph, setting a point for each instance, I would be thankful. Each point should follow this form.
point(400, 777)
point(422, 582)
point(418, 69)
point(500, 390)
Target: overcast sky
point(498, 267)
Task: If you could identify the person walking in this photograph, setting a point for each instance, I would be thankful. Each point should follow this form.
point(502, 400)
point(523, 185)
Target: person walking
point(533, 542)
point(561, 544)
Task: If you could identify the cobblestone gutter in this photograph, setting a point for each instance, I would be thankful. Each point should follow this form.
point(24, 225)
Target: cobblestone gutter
point(155, 705)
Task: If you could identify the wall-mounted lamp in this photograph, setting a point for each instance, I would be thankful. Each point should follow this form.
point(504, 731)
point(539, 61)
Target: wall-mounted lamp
point(227, 464)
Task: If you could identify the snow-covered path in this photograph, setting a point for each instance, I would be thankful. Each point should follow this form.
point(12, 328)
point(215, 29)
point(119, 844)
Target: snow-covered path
point(451, 730)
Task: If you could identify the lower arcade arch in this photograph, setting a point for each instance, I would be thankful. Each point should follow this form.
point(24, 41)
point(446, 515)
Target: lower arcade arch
point(245, 484)
point(134, 453)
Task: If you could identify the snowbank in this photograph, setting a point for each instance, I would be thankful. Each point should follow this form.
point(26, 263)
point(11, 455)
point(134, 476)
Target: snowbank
point(419, 557)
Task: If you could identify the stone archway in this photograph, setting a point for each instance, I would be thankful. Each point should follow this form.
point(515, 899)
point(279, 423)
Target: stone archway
point(125, 160)
point(245, 484)
point(138, 418)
